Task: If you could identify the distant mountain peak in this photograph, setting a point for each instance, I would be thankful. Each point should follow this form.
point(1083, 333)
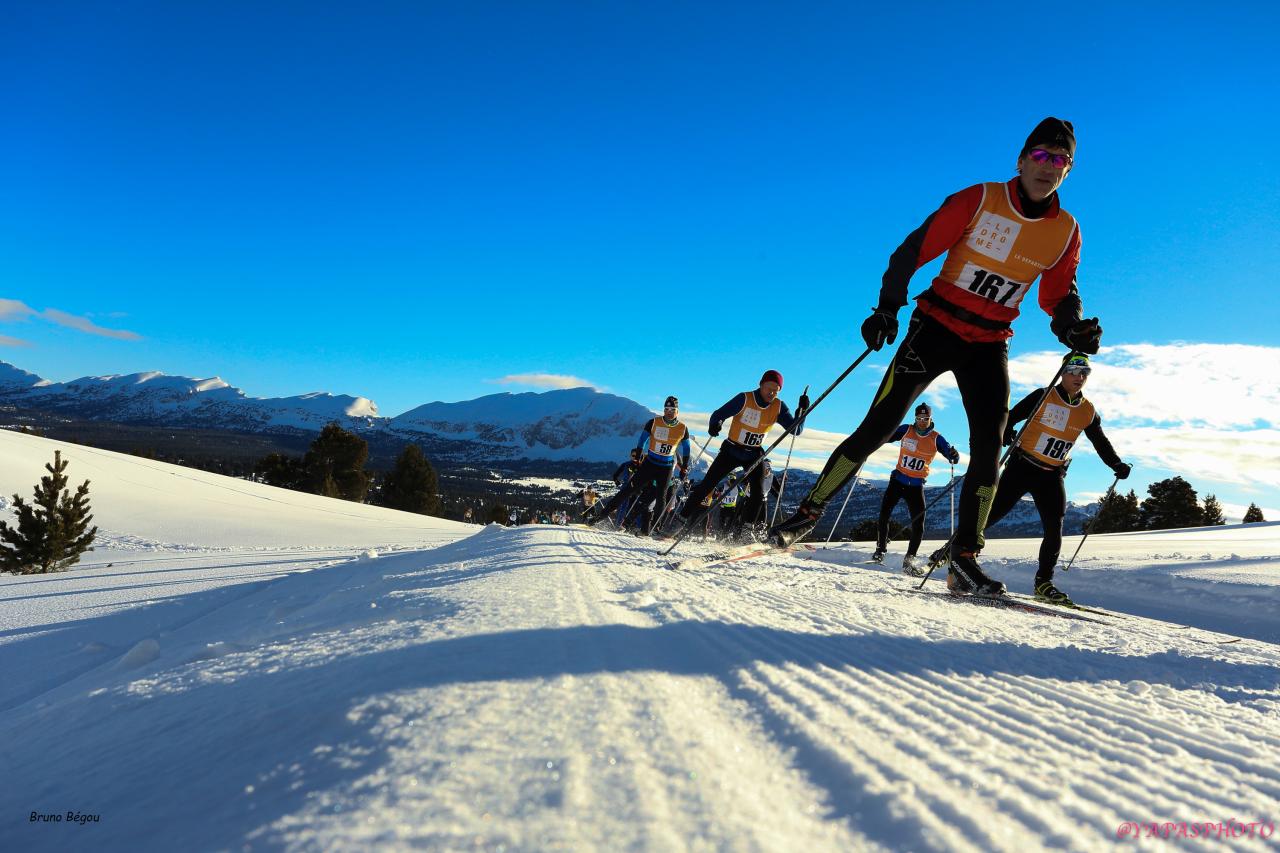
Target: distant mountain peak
point(561, 424)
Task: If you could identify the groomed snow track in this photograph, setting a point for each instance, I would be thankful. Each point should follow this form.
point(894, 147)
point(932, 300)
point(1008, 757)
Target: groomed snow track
point(553, 688)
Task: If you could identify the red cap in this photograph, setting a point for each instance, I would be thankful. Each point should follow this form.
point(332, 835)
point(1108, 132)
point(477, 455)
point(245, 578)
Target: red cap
point(771, 376)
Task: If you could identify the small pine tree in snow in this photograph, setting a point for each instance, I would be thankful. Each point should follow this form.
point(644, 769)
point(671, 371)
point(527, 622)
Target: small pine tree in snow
point(53, 530)
point(1172, 504)
point(1253, 514)
point(276, 469)
point(334, 464)
point(1117, 513)
point(412, 485)
point(1213, 511)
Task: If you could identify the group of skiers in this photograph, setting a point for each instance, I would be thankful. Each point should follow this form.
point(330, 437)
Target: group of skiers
point(998, 239)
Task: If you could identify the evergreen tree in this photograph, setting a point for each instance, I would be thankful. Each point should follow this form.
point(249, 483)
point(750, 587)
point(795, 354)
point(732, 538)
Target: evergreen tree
point(334, 465)
point(498, 513)
point(53, 531)
point(1212, 512)
point(411, 486)
point(1172, 504)
point(276, 469)
point(1117, 513)
point(1253, 514)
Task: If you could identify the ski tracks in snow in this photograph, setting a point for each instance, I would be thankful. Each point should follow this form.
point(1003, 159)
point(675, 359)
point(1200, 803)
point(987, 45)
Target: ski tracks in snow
point(935, 725)
point(554, 688)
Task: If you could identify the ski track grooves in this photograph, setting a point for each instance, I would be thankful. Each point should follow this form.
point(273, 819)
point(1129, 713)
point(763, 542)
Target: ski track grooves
point(951, 745)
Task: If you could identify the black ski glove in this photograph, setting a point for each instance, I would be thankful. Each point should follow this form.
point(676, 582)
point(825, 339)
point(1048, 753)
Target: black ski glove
point(803, 405)
point(1008, 437)
point(1121, 470)
point(954, 456)
point(713, 430)
point(879, 329)
point(1083, 336)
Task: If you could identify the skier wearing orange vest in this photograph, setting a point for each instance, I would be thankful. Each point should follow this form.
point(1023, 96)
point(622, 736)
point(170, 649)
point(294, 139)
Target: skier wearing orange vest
point(998, 239)
point(750, 416)
point(1039, 463)
point(664, 441)
point(920, 443)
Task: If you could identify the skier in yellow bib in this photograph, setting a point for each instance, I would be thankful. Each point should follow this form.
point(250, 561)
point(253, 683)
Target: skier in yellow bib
point(921, 441)
point(750, 416)
point(998, 238)
point(1039, 463)
point(664, 441)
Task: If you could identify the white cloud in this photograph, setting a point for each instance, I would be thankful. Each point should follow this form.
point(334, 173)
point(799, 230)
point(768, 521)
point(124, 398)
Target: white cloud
point(84, 324)
point(12, 310)
point(1206, 411)
point(546, 380)
point(1214, 385)
point(6, 341)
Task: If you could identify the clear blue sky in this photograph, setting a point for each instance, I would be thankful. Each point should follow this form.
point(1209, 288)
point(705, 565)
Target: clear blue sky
point(408, 201)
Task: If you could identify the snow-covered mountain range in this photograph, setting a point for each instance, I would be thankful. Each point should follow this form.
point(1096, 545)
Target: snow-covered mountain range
point(577, 423)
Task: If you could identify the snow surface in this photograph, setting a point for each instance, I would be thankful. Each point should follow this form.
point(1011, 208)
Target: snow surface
point(558, 688)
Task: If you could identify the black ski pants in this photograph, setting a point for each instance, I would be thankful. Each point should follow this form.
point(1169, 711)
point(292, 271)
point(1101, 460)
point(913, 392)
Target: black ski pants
point(981, 370)
point(914, 496)
point(1048, 490)
point(647, 485)
point(730, 458)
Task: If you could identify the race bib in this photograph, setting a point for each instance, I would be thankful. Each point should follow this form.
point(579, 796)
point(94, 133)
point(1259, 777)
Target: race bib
point(993, 287)
point(912, 463)
point(753, 439)
point(661, 433)
point(749, 417)
point(1053, 447)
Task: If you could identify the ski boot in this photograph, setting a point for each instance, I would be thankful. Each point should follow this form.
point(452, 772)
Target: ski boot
point(911, 566)
point(965, 575)
point(878, 556)
point(1050, 594)
point(938, 557)
point(798, 526)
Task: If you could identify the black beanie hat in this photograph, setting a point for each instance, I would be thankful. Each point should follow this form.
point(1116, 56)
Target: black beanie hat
point(672, 401)
point(1054, 132)
point(924, 408)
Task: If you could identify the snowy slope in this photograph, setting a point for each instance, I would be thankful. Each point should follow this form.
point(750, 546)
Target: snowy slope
point(556, 688)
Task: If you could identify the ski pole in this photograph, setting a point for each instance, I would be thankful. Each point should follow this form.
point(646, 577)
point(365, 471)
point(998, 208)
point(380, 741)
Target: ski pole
point(953, 499)
point(666, 510)
point(783, 487)
point(840, 514)
point(706, 511)
point(1003, 459)
point(1105, 498)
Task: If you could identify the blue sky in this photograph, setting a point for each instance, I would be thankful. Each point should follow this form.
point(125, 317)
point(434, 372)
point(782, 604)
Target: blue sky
point(412, 201)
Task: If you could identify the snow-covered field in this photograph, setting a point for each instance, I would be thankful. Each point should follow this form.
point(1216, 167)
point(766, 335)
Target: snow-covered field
point(237, 669)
